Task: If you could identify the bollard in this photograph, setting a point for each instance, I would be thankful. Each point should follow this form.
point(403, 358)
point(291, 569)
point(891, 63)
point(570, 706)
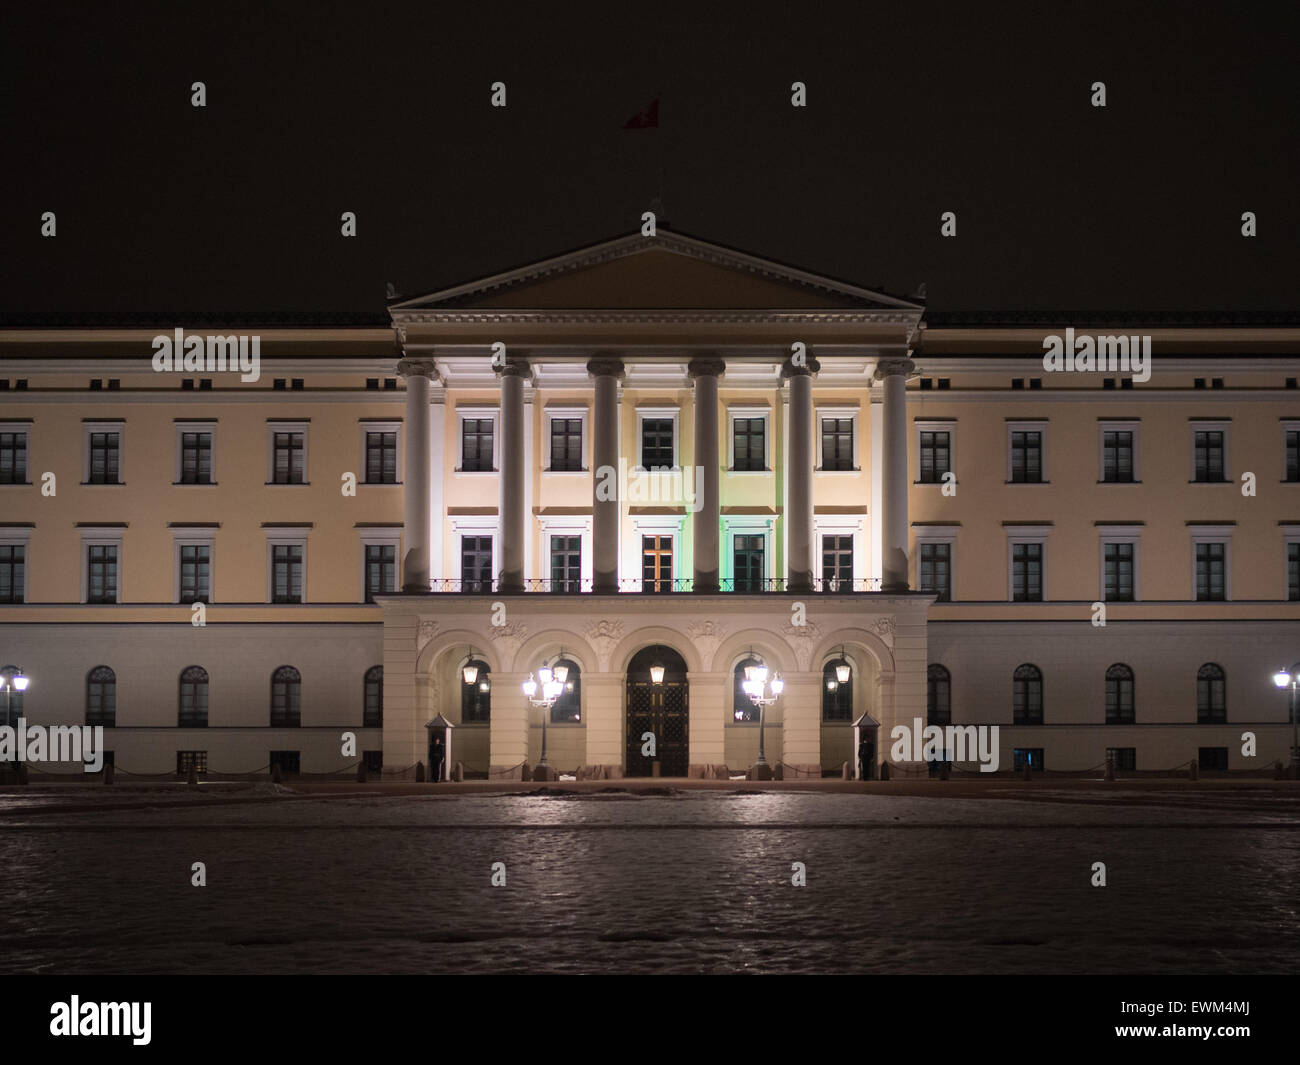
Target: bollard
point(525, 773)
point(22, 773)
point(361, 772)
point(192, 776)
point(276, 776)
point(884, 770)
point(108, 773)
point(944, 769)
point(419, 772)
point(1193, 771)
point(1278, 774)
point(458, 774)
point(1110, 769)
point(654, 768)
point(1028, 770)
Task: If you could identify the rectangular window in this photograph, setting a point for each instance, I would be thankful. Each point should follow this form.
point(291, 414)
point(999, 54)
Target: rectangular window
point(1212, 758)
point(837, 563)
point(381, 570)
point(13, 564)
point(104, 458)
point(936, 570)
point(1027, 573)
point(101, 573)
point(566, 445)
point(197, 759)
point(1209, 455)
point(657, 563)
point(1292, 571)
point(286, 573)
point(748, 558)
point(1117, 456)
point(935, 456)
point(196, 458)
point(289, 466)
point(1122, 758)
point(1027, 457)
point(656, 443)
point(288, 762)
point(381, 457)
point(1031, 755)
point(13, 457)
point(476, 445)
point(837, 443)
point(1292, 456)
point(1210, 570)
point(566, 563)
point(195, 577)
point(476, 563)
point(1119, 573)
point(749, 437)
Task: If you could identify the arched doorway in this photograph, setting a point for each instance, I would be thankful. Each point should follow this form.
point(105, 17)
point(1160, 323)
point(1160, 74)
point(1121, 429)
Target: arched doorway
point(660, 708)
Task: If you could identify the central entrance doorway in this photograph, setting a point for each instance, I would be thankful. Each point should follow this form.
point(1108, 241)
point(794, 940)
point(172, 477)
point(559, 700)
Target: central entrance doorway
point(660, 708)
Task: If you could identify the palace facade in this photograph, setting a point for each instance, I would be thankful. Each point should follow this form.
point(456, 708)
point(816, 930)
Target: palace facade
point(654, 461)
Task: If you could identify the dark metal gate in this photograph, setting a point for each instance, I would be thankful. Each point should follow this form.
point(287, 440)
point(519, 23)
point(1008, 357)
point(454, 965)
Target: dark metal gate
point(661, 709)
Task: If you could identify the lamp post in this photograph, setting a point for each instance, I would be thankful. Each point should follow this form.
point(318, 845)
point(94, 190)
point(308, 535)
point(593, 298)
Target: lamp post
point(1286, 679)
point(11, 682)
point(755, 685)
point(552, 679)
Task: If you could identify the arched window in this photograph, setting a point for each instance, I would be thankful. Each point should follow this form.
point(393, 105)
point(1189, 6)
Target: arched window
point(743, 708)
point(476, 698)
point(286, 698)
point(568, 707)
point(837, 695)
point(372, 714)
point(194, 698)
point(101, 697)
point(1119, 695)
point(938, 696)
point(1027, 697)
point(1211, 695)
point(11, 698)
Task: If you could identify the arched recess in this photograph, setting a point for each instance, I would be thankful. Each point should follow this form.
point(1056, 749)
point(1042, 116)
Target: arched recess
point(658, 709)
point(871, 663)
point(654, 635)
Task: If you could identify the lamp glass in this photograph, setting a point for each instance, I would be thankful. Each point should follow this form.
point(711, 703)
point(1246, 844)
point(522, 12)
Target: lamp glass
point(530, 686)
point(842, 671)
point(656, 674)
point(471, 673)
point(561, 673)
point(778, 685)
point(1281, 678)
point(20, 682)
point(544, 675)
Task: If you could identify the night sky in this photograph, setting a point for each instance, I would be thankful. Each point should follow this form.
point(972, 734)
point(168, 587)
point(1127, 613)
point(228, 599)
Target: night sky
point(383, 109)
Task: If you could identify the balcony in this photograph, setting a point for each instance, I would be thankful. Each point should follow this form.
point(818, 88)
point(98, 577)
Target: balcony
point(730, 585)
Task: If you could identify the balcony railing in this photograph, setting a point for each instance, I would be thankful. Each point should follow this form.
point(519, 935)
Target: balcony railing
point(736, 585)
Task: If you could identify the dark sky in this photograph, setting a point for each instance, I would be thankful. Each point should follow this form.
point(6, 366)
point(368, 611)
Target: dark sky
point(913, 109)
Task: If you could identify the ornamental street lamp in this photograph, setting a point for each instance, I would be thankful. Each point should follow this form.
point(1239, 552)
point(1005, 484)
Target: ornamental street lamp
point(552, 678)
point(842, 673)
point(12, 682)
point(756, 685)
point(1287, 679)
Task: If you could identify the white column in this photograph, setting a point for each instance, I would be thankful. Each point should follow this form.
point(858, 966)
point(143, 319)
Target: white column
point(437, 466)
point(799, 473)
point(705, 372)
point(416, 491)
point(894, 528)
point(877, 475)
point(530, 472)
point(604, 458)
point(510, 505)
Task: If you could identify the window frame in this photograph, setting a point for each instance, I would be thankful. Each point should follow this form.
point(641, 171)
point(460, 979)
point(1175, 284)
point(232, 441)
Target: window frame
point(388, 537)
point(749, 412)
point(938, 534)
point(182, 426)
point(23, 427)
point(851, 413)
point(478, 413)
point(1213, 534)
point(285, 538)
point(182, 538)
point(102, 536)
point(88, 430)
point(583, 414)
point(277, 426)
point(933, 425)
point(1033, 425)
point(1211, 425)
point(1115, 425)
point(1119, 534)
point(1027, 534)
point(20, 537)
point(657, 412)
point(377, 425)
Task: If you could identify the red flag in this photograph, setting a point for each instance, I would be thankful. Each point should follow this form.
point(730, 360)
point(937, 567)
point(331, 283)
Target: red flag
point(647, 119)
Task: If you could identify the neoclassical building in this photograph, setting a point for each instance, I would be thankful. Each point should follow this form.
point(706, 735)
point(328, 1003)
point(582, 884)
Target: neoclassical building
point(653, 462)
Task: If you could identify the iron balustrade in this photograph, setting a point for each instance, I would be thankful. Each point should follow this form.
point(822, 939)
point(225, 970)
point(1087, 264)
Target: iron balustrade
point(728, 585)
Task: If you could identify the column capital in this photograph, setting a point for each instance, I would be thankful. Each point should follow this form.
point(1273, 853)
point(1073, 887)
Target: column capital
point(515, 368)
point(706, 366)
point(414, 367)
point(893, 367)
point(809, 368)
point(606, 366)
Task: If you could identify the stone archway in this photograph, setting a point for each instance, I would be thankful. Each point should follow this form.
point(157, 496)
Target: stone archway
point(661, 709)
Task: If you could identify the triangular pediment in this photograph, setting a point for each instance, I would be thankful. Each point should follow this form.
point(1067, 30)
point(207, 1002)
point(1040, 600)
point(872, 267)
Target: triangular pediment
point(669, 271)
